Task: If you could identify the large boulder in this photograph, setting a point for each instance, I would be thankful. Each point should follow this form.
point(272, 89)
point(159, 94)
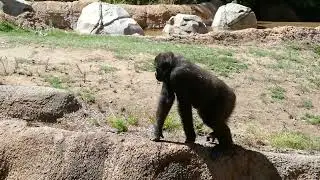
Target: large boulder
point(15, 7)
point(234, 16)
point(28, 152)
point(36, 103)
point(184, 24)
point(104, 18)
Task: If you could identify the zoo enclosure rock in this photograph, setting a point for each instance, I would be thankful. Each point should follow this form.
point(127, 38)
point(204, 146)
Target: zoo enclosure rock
point(234, 16)
point(61, 154)
point(104, 18)
point(36, 103)
point(64, 15)
point(184, 24)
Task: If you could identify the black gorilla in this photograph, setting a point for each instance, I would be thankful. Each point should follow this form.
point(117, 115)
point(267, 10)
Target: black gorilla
point(193, 87)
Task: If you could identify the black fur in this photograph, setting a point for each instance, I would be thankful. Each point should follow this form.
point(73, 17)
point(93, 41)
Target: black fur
point(197, 88)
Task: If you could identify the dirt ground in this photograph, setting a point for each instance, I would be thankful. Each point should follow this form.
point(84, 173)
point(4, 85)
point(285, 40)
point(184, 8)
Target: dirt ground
point(110, 87)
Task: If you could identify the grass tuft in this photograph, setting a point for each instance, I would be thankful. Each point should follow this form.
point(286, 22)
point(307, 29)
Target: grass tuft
point(306, 103)
point(277, 93)
point(171, 123)
point(294, 140)
point(132, 120)
point(54, 81)
point(313, 119)
point(118, 123)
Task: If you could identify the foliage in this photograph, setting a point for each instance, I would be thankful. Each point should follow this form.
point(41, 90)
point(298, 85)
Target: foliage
point(171, 123)
point(277, 93)
point(294, 140)
point(9, 27)
point(313, 119)
point(118, 123)
point(54, 81)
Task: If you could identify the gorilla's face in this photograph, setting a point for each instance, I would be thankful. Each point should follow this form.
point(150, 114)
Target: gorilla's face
point(163, 66)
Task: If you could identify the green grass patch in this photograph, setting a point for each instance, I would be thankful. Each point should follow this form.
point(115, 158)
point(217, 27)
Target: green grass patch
point(126, 47)
point(171, 123)
point(9, 27)
point(306, 103)
point(313, 119)
point(316, 50)
point(132, 120)
point(118, 123)
point(315, 81)
point(277, 93)
point(54, 81)
point(260, 52)
point(294, 140)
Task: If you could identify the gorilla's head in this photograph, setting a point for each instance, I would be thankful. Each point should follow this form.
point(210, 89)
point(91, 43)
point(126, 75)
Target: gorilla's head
point(164, 64)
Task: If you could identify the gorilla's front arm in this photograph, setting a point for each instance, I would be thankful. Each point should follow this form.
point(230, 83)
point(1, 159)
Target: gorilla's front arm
point(165, 103)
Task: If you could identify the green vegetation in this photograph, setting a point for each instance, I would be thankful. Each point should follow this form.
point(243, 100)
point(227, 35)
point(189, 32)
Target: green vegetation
point(87, 96)
point(126, 47)
point(171, 123)
point(54, 81)
point(132, 120)
point(317, 50)
point(306, 103)
point(295, 140)
point(118, 123)
point(8, 27)
point(277, 93)
point(260, 52)
point(313, 119)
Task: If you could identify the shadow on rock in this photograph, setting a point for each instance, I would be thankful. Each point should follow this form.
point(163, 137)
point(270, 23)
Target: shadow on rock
point(237, 163)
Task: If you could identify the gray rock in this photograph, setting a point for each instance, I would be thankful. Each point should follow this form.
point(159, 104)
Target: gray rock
point(28, 152)
point(36, 103)
point(234, 16)
point(104, 18)
point(184, 24)
point(15, 7)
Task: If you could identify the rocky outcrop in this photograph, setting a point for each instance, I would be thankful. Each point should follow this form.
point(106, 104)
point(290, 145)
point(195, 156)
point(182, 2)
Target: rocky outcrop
point(184, 24)
point(36, 103)
point(49, 153)
point(104, 18)
point(156, 16)
point(234, 16)
point(15, 7)
point(64, 15)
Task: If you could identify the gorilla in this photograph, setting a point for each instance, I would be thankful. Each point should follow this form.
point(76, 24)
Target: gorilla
point(197, 88)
